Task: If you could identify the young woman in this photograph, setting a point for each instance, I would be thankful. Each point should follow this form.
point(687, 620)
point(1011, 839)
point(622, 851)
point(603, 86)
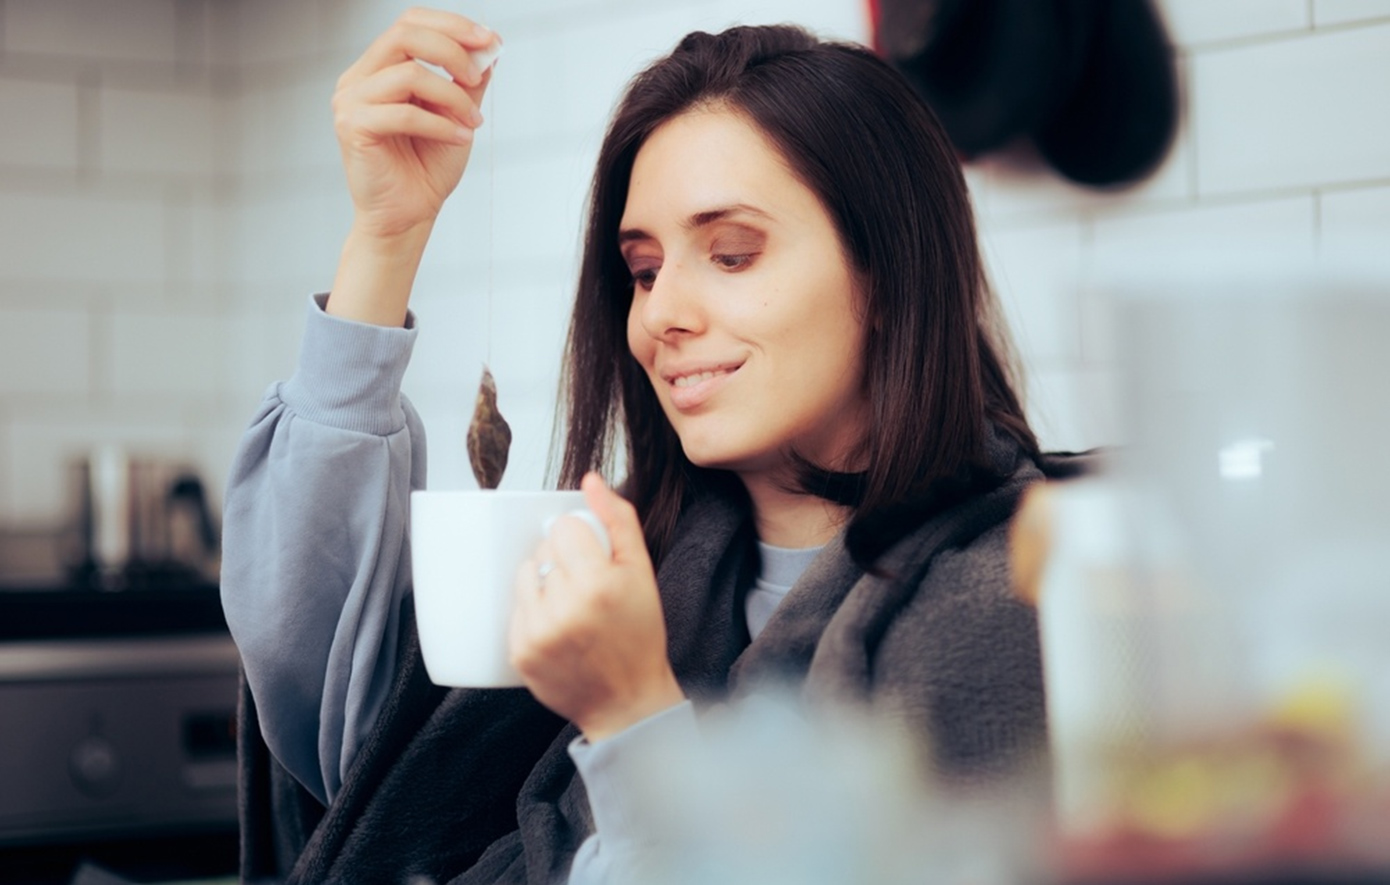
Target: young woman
point(782, 321)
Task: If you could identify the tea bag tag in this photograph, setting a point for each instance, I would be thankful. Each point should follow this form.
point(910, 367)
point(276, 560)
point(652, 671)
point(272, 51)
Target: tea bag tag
point(485, 57)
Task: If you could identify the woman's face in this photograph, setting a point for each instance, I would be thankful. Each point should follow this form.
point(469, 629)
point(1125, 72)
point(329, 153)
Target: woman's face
point(745, 314)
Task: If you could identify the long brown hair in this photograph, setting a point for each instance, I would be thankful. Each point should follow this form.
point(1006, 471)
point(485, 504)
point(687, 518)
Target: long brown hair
point(856, 134)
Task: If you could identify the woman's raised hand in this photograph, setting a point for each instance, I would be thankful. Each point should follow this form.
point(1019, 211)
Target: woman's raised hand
point(405, 133)
point(590, 638)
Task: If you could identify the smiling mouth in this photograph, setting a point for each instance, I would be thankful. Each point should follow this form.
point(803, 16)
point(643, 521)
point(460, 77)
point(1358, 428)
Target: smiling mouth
point(683, 378)
point(692, 380)
point(693, 390)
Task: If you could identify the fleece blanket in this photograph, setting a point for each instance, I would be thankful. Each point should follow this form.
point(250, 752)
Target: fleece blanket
point(470, 786)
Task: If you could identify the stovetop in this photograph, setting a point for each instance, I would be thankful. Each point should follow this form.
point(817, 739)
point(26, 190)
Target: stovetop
point(72, 613)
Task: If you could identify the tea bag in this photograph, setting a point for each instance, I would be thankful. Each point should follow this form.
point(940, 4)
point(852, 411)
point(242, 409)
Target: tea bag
point(489, 437)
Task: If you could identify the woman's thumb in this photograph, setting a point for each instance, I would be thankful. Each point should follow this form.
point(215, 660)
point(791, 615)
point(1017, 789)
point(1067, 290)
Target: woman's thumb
point(618, 516)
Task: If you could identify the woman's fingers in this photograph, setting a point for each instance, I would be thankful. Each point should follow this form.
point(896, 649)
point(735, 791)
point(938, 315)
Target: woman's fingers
point(461, 28)
point(619, 517)
point(386, 121)
point(411, 39)
point(409, 82)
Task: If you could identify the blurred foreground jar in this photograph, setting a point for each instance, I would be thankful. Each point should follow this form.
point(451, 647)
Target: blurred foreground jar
point(1214, 610)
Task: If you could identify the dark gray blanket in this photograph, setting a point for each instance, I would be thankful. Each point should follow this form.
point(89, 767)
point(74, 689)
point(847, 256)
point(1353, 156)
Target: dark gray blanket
point(476, 786)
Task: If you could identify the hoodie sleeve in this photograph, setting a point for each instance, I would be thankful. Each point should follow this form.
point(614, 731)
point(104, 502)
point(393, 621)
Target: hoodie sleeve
point(315, 547)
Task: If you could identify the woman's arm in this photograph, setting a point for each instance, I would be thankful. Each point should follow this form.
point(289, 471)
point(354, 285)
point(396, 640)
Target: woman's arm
point(315, 554)
point(315, 550)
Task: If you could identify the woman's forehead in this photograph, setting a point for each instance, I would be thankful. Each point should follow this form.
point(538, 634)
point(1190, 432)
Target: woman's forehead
point(707, 160)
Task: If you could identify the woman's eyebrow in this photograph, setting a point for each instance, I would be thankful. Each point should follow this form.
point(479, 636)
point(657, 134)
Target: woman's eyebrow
point(710, 216)
point(698, 220)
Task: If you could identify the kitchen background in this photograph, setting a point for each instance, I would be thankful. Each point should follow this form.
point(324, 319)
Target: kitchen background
point(170, 195)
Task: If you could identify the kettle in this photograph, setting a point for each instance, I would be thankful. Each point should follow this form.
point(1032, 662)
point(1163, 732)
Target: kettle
point(139, 521)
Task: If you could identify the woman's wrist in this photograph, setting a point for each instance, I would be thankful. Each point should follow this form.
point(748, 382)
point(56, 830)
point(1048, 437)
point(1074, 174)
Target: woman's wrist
point(606, 723)
point(376, 273)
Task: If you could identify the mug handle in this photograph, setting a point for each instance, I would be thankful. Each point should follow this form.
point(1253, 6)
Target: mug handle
point(593, 522)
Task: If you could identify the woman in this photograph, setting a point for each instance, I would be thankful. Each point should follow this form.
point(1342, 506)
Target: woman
point(782, 319)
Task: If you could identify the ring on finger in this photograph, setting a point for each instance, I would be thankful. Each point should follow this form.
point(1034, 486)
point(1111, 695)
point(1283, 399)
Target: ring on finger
point(543, 571)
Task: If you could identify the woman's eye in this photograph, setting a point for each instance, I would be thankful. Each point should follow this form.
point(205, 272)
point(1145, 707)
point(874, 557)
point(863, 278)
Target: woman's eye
point(644, 279)
point(733, 262)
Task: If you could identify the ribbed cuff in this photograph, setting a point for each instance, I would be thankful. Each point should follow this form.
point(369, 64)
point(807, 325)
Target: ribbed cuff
point(349, 373)
point(617, 769)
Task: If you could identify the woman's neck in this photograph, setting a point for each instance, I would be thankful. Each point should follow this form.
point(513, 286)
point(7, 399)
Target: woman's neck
point(790, 519)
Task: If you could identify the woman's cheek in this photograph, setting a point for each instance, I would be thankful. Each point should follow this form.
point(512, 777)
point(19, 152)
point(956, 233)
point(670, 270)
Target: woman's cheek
point(638, 343)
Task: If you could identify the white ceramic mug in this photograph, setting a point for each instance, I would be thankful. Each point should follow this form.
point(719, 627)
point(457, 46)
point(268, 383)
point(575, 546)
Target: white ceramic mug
point(466, 547)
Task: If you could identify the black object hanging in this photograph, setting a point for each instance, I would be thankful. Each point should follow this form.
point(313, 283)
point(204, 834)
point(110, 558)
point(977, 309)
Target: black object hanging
point(1091, 82)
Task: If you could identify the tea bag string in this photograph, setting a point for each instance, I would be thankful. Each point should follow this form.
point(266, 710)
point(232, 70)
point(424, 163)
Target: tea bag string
point(491, 211)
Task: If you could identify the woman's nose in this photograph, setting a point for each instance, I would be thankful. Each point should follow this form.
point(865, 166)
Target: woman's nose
point(672, 307)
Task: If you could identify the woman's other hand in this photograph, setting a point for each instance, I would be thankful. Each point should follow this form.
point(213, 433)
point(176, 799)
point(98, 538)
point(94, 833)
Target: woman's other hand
point(590, 639)
point(405, 133)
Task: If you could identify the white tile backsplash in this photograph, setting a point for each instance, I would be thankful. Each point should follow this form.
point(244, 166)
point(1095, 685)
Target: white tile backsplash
point(1338, 12)
point(162, 354)
point(1293, 113)
point(528, 334)
point(451, 347)
point(45, 352)
point(289, 241)
point(539, 207)
point(1125, 246)
point(1037, 274)
point(41, 128)
point(275, 30)
point(610, 52)
point(41, 442)
point(1074, 409)
point(287, 127)
point(840, 21)
point(1128, 251)
point(263, 347)
point(169, 133)
point(156, 253)
point(1204, 21)
point(134, 30)
point(202, 239)
point(1355, 227)
point(222, 21)
point(525, 100)
point(82, 238)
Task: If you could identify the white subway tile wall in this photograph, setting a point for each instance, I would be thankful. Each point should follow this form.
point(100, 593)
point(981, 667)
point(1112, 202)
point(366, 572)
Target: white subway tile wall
point(1355, 224)
point(44, 129)
point(1337, 12)
point(173, 197)
point(1294, 113)
point(180, 122)
point(46, 353)
point(133, 30)
point(1036, 272)
point(1196, 22)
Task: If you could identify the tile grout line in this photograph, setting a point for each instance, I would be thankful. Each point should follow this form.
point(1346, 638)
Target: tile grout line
point(99, 333)
point(1286, 35)
point(1189, 130)
point(1031, 219)
point(1085, 284)
point(1317, 222)
point(89, 126)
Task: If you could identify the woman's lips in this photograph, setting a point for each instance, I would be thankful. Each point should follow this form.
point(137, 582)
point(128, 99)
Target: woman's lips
point(693, 390)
